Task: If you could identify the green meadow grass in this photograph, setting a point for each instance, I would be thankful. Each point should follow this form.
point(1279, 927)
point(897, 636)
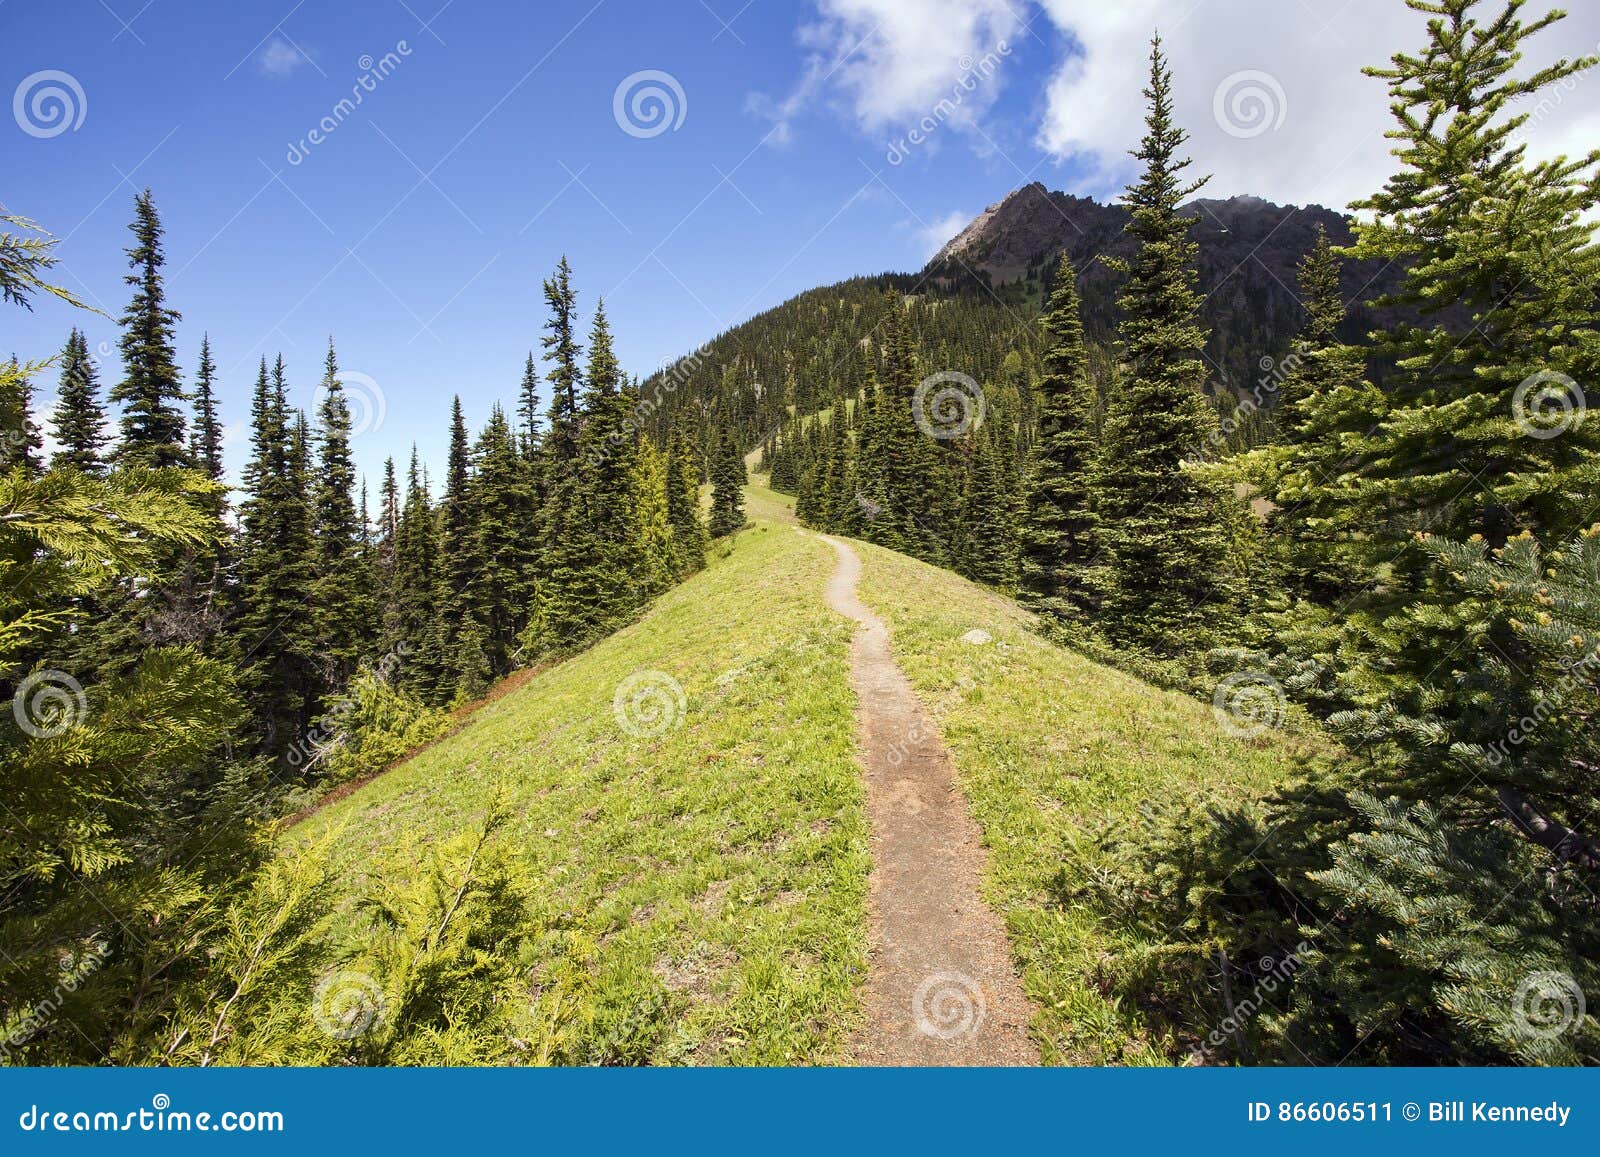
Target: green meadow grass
point(698, 896)
point(1051, 749)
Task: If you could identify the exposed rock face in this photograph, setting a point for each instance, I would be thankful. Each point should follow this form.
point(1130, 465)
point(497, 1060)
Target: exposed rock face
point(1249, 250)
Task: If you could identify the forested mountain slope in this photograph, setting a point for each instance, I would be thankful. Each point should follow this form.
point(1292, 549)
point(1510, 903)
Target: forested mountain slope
point(982, 293)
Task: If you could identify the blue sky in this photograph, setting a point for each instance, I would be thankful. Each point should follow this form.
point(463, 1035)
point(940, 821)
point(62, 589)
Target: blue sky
point(416, 232)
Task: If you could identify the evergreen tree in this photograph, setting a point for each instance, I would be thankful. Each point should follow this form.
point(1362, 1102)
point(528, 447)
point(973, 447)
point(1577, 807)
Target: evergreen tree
point(458, 561)
point(1161, 528)
point(1326, 405)
point(19, 436)
point(205, 438)
point(79, 419)
point(153, 424)
point(275, 639)
point(989, 539)
point(727, 487)
point(571, 596)
point(384, 544)
point(528, 410)
point(498, 592)
point(659, 566)
point(1057, 538)
point(1478, 429)
point(609, 450)
point(683, 506)
point(208, 569)
point(410, 624)
point(342, 605)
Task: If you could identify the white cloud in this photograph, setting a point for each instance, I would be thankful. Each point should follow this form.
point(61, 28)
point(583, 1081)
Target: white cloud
point(1296, 66)
point(279, 59)
point(886, 64)
point(889, 63)
point(932, 235)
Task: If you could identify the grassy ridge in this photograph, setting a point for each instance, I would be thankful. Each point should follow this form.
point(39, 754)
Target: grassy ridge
point(1051, 749)
point(699, 895)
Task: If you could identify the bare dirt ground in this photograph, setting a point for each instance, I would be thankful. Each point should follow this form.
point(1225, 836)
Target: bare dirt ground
point(941, 989)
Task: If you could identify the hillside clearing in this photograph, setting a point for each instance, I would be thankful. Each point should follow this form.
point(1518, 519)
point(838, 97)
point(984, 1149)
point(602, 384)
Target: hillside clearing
point(701, 894)
point(698, 894)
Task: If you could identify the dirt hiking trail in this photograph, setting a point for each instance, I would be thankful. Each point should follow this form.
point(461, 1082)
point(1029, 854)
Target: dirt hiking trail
point(940, 989)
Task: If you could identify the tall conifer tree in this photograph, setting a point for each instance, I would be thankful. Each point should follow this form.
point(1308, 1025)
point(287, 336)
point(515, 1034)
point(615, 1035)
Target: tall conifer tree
point(79, 418)
point(342, 603)
point(150, 393)
point(1161, 528)
point(1057, 533)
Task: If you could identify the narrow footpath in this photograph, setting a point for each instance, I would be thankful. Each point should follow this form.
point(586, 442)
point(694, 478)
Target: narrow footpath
point(940, 988)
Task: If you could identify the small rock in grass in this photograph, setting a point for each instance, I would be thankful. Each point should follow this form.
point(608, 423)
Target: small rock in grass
point(978, 637)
